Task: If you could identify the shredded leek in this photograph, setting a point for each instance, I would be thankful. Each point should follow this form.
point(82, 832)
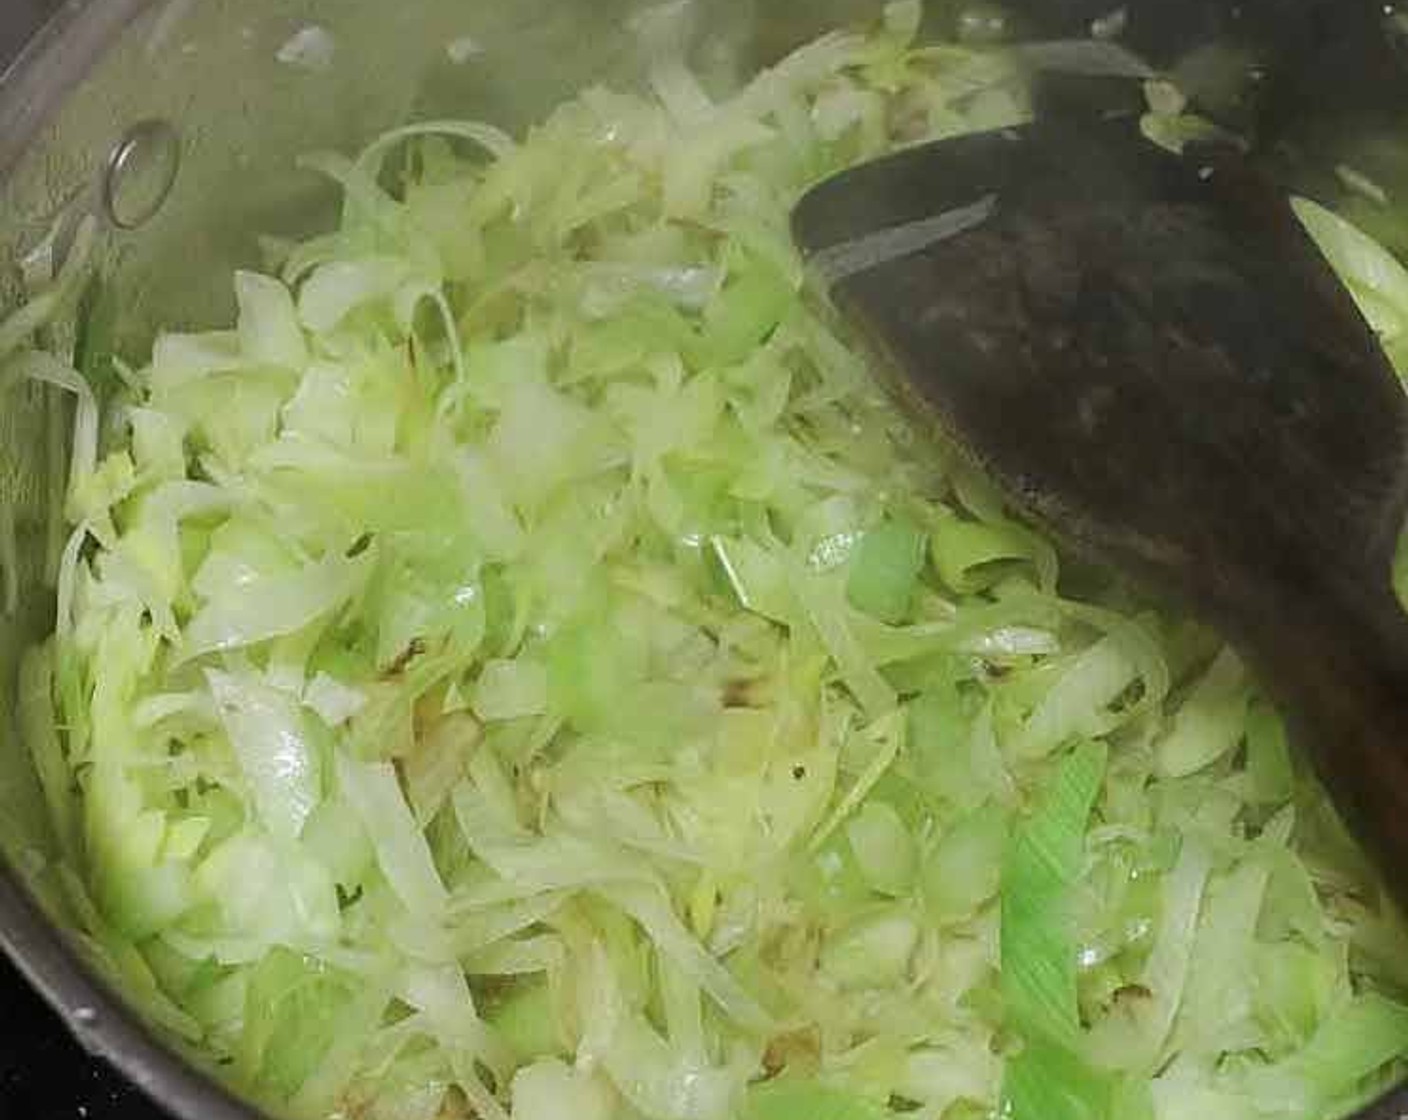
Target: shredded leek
point(523, 668)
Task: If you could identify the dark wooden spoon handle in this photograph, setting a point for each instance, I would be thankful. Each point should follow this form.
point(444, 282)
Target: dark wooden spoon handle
point(1150, 356)
point(1339, 664)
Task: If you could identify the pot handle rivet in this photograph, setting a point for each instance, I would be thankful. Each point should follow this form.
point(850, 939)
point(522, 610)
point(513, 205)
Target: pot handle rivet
point(141, 170)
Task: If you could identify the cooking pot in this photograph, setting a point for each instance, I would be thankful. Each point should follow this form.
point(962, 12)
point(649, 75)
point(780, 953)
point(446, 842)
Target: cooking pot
point(177, 123)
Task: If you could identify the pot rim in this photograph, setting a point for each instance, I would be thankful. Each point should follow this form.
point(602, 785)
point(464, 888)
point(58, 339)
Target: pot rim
point(32, 89)
point(99, 1019)
point(52, 64)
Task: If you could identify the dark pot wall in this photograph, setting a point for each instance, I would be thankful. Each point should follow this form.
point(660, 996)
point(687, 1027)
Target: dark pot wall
point(18, 21)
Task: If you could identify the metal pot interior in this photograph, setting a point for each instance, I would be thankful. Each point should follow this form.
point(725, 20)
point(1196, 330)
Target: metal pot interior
point(228, 78)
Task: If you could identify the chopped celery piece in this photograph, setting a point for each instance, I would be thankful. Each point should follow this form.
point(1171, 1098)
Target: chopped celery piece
point(885, 571)
point(1039, 871)
point(966, 553)
point(794, 1100)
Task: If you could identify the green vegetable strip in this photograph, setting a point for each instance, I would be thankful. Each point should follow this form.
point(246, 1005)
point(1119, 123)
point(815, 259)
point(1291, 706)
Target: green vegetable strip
point(793, 1100)
point(1373, 275)
point(1211, 721)
point(1358, 1038)
point(963, 549)
point(1038, 952)
point(1400, 571)
point(36, 682)
point(1269, 768)
point(1135, 1042)
point(885, 571)
point(1049, 1081)
point(1041, 866)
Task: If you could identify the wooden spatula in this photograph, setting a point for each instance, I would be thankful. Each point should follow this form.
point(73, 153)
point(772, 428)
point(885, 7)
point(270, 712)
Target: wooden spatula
point(1153, 359)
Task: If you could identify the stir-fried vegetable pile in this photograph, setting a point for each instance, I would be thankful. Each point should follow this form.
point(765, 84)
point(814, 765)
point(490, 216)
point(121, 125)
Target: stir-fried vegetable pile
point(525, 669)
